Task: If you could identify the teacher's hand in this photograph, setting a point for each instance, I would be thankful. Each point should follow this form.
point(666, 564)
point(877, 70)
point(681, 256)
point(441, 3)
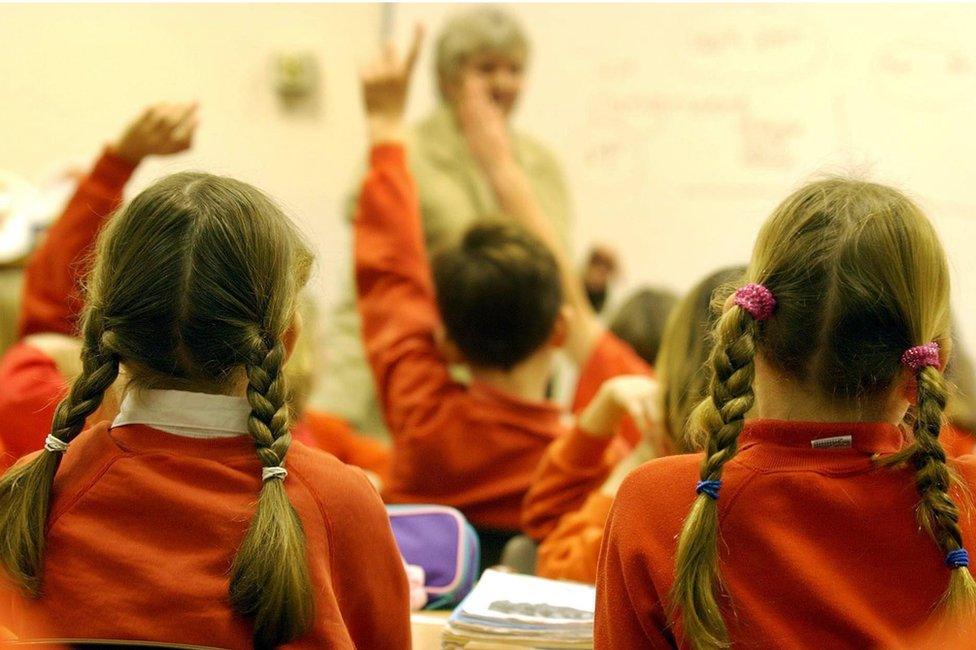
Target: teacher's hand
point(483, 125)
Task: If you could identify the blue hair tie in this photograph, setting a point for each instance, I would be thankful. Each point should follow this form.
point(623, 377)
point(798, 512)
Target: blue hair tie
point(957, 559)
point(711, 489)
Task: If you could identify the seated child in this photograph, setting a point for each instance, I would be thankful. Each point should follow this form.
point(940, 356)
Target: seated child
point(193, 518)
point(822, 512)
point(497, 306)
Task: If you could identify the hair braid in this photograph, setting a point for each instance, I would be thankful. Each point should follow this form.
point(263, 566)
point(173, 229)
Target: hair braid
point(936, 512)
point(720, 417)
point(269, 578)
point(25, 490)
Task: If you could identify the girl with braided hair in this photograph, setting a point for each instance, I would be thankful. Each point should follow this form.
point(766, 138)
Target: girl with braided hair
point(147, 529)
point(823, 511)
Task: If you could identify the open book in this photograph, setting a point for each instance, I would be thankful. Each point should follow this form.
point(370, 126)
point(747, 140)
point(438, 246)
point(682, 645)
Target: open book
point(526, 611)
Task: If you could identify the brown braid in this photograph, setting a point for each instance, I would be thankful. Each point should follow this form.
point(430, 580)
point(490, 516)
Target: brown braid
point(25, 490)
point(720, 418)
point(269, 578)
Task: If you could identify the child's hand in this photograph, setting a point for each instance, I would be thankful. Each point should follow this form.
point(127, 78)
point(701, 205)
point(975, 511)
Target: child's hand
point(385, 83)
point(483, 125)
point(633, 395)
point(161, 130)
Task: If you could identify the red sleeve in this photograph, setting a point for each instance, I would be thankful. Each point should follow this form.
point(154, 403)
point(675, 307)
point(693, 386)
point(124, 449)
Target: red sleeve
point(32, 387)
point(611, 357)
point(572, 550)
point(573, 466)
point(370, 584)
point(396, 298)
point(52, 298)
point(336, 436)
point(629, 612)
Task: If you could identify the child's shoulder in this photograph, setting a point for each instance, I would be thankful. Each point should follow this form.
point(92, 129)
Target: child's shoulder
point(663, 479)
point(327, 476)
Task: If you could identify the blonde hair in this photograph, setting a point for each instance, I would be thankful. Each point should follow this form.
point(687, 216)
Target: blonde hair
point(685, 347)
point(859, 276)
point(11, 286)
point(194, 286)
point(477, 30)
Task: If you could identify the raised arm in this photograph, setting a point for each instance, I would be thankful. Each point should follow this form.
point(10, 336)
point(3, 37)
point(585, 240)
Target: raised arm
point(485, 130)
point(577, 464)
point(52, 296)
point(395, 290)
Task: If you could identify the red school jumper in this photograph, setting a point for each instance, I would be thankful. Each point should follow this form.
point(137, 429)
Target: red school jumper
point(818, 548)
point(144, 526)
point(470, 447)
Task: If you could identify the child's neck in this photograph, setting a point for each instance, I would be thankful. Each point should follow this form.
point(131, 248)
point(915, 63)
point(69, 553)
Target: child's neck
point(779, 397)
point(528, 380)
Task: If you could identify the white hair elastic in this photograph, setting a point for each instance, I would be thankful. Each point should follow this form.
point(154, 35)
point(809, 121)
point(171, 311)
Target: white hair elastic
point(268, 473)
point(55, 445)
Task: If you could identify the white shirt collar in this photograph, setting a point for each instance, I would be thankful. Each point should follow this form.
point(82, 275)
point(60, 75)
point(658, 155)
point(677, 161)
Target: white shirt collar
point(195, 415)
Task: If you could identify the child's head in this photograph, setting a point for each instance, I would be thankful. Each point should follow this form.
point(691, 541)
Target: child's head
point(499, 295)
point(681, 363)
point(640, 321)
point(194, 287)
point(859, 277)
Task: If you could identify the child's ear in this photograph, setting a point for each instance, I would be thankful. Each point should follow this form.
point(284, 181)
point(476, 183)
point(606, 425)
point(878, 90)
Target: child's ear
point(908, 387)
point(560, 329)
point(447, 347)
point(290, 339)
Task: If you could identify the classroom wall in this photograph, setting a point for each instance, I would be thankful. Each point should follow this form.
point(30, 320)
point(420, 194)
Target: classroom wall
point(73, 75)
point(680, 126)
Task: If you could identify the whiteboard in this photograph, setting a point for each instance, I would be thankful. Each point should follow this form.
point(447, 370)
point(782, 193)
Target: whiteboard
point(681, 127)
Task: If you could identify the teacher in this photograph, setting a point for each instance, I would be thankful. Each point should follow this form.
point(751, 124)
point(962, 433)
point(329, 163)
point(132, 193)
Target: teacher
point(454, 193)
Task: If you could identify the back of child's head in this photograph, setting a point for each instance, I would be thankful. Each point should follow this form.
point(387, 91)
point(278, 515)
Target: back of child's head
point(194, 287)
point(857, 277)
point(640, 321)
point(686, 344)
point(499, 294)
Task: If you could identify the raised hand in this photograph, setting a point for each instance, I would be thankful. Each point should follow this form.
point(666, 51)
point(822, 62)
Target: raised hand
point(633, 395)
point(483, 124)
point(160, 130)
point(385, 85)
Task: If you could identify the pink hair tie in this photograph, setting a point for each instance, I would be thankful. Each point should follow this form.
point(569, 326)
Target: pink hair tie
point(922, 356)
point(757, 300)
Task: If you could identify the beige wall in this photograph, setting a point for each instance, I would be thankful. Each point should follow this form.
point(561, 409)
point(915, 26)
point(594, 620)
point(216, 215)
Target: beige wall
point(679, 126)
point(72, 75)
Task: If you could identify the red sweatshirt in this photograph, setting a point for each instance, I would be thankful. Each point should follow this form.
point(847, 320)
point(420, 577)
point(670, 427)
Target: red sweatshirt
point(144, 526)
point(819, 548)
point(470, 447)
